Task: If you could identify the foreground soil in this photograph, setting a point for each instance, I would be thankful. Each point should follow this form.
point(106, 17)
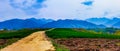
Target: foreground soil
point(35, 42)
point(3, 41)
point(85, 44)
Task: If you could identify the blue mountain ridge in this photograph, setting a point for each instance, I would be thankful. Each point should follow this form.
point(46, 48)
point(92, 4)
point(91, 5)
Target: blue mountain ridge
point(113, 22)
point(117, 25)
point(98, 21)
point(67, 23)
point(71, 24)
point(27, 23)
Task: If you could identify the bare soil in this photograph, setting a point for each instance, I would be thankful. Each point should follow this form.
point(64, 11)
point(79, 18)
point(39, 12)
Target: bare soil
point(86, 44)
point(3, 41)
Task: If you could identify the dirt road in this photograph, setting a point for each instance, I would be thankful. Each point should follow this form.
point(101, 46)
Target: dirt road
point(35, 42)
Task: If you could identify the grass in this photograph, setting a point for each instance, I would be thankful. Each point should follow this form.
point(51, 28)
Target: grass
point(71, 33)
point(59, 47)
point(18, 33)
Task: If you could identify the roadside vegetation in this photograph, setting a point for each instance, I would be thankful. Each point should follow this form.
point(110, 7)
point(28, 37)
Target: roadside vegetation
point(17, 33)
point(59, 47)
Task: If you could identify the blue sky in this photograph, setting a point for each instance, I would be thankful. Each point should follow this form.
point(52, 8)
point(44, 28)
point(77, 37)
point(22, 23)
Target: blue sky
point(58, 9)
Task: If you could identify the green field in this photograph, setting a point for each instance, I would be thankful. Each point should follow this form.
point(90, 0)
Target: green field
point(72, 33)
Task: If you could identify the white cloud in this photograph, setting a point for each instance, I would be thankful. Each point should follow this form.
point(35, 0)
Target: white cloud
point(31, 7)
point(9, 12)
point(74, 9)
point(110, 6)
point(62, 9)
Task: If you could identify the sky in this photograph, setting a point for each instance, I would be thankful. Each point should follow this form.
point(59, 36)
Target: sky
point(58, 9)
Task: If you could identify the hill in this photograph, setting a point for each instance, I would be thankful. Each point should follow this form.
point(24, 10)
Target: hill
point(98, 21)
point(110, 23)
point(117, 25)
point(71, 24)
point(27, 23)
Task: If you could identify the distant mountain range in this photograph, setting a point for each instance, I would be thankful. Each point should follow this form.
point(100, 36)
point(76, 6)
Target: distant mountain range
point(19, 23)
point(68, 23)
point(117, 25)
point(71, 24)
point(115, 22)
point(98, 21)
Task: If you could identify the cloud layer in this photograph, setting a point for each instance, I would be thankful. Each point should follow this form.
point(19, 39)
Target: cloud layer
point(58, 9)
point(31, 7)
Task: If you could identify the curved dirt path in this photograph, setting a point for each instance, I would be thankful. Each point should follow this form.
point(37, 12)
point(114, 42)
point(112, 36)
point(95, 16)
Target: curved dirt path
point(34, 42)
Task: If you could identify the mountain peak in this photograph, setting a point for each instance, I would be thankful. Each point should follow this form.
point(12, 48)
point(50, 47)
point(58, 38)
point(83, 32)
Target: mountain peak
point(98, 21)
point(70, 24)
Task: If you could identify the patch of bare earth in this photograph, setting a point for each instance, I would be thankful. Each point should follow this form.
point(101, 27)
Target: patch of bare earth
point(86, 44)
point(2, 41)
point(35, 42)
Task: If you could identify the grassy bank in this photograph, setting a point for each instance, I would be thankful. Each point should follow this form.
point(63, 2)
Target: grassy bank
point(59, 47)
